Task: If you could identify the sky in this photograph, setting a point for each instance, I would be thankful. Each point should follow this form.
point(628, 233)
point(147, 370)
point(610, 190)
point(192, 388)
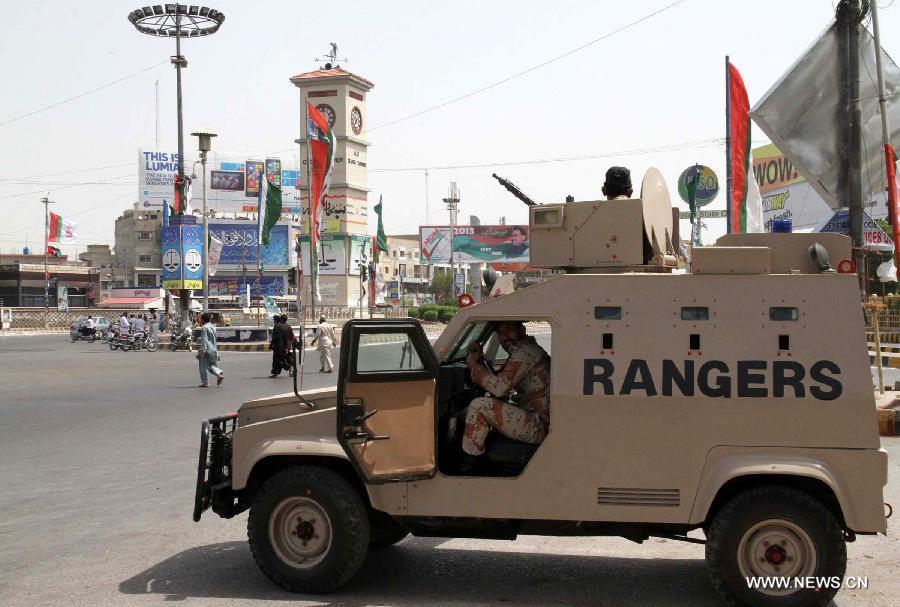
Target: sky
point(656, 84)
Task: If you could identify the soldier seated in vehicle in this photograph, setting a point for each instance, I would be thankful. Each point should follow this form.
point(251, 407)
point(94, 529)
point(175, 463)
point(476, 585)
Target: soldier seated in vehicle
point(618, 184)
point(527, 373)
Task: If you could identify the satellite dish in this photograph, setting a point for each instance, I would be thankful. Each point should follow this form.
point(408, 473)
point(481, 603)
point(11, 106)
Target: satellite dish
point(657, 210)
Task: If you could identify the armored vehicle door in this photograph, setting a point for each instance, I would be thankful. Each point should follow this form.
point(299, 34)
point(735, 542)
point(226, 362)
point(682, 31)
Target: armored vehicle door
point(386, 399)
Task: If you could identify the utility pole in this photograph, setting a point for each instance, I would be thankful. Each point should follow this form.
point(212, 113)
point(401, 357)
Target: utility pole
point(889, 158)
point(46, 202)
point(849, 14)
point(452, 202)
point(205, 145)
point(427, 215)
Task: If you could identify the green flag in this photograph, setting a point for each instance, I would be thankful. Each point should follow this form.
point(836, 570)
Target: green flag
point(380, 239)
point(269, 208)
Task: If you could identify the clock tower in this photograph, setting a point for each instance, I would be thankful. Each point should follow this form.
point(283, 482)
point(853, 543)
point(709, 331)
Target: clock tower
point(341, 98)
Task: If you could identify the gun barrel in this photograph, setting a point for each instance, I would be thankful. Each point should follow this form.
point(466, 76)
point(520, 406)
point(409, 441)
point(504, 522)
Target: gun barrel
point(515, 191)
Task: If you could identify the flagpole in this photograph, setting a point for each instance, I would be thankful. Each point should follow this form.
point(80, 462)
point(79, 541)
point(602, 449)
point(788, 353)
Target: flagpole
point(889, 160)
point(259, 247)
point(728, 177)
point(313, 257)
point(46, 202)
point(372, 274)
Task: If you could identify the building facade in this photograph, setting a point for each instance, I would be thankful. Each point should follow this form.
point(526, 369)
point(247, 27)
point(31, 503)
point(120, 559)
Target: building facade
point(137, 260)
point(22, 281)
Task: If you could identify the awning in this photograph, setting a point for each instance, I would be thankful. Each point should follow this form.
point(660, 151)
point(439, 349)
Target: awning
point(141, 303)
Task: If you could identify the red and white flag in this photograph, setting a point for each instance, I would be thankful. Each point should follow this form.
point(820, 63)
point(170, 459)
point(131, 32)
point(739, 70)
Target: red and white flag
point(62, 230)
point(744, 203)
point(321, 149)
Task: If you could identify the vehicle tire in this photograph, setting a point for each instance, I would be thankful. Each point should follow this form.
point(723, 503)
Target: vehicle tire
point(384, 531)
point(152, 345)
point(172, 347)
point(91, 338)
point(125, 347)
point(74, 338)
point(772, 532)
point(308, 529)
point(113, 345)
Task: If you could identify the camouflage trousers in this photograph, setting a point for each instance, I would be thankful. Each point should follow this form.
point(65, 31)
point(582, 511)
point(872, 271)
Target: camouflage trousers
point(509, 420)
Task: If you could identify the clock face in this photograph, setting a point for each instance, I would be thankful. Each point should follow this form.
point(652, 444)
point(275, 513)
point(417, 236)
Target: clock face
point(356, 120)
point(328, 112)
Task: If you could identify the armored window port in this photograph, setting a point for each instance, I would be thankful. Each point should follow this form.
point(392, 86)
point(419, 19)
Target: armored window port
point(694, 313)
point(695, 341)
point(608, 312)
point(784, 342)
point(783, 314)
point(607, 341)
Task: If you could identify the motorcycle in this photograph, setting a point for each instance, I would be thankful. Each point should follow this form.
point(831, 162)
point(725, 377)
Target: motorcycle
point(182, 340)
point(89, 335)
point(140, 340)
point(120, 339)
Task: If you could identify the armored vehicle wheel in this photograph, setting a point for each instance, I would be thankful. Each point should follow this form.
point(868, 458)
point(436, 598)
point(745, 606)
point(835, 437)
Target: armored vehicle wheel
point(384, 531)
point(308, 529)
point(769, 533)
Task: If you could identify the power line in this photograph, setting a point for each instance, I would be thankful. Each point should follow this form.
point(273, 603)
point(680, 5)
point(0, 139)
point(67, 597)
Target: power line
point(533, 68)
point(96, 206)
point(111, 166)
point(80, 95)
point(77, 185)
point(676, 147)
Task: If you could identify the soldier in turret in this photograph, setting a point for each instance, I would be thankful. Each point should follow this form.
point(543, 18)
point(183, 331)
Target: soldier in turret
point(618, 184)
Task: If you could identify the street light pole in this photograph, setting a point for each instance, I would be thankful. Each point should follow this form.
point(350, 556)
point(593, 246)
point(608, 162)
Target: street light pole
point(205, 145)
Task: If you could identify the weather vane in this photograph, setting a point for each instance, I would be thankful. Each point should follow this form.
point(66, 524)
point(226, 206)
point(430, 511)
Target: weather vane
point(331, 56)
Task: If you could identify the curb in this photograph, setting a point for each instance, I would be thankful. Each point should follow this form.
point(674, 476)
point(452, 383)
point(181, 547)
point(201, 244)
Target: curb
point(257, 347)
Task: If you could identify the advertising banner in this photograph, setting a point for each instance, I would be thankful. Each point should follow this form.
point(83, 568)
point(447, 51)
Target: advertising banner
point(231, 181)
point(251, 181)
point(236, 285)
point(273, 171)
point(874, 237)
point(239, 242)
point(787, 195)
point(229, 188)
point(474, 244)
point(156, 177)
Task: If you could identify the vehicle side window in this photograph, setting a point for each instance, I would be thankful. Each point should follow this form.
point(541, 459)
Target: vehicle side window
point(387, 352)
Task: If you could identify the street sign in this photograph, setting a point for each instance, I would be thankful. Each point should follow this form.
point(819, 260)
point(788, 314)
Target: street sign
point(711, 214)
point(707, 184)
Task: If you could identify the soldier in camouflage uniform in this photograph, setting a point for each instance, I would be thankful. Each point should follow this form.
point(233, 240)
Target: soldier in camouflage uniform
point(527, 371)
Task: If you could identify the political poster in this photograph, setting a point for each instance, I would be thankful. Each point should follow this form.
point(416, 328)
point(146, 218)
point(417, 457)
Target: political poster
point(360, 252)
point(331, 255)
point(239, 242)
point(474, 244)
point(238, 285)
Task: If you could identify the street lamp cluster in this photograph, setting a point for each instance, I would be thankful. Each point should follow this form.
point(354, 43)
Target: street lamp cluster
point(183, 21)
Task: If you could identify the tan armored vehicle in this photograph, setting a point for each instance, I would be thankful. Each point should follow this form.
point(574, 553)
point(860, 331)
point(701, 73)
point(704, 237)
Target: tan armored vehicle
point(735, 399)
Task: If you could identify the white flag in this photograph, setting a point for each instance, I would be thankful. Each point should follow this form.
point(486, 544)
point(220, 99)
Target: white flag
point(754, 203)
point(215, 252)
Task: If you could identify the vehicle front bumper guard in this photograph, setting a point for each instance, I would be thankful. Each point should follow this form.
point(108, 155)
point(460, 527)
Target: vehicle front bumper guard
point(214, 468)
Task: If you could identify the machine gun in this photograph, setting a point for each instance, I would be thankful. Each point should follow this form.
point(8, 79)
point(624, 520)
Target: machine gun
point(515, 191)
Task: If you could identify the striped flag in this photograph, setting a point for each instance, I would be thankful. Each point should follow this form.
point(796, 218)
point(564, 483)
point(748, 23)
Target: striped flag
point(321, 147)
point(62, 230)
point(744, 202)
point(269, 208)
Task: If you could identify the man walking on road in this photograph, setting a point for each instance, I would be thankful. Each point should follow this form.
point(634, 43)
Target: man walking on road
point(208, 353)
point(325, 340)
point(282, 340)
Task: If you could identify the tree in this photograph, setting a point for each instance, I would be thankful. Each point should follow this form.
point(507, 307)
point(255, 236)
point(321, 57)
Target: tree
point(442, 285)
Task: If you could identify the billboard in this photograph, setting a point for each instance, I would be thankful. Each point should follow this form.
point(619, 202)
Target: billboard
point(874, 237)
point(474, 244)
point(156, 177)
point(240, 239)
point(231, 181)
point(230, 188)
point(331, 255)
point(787, 195)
